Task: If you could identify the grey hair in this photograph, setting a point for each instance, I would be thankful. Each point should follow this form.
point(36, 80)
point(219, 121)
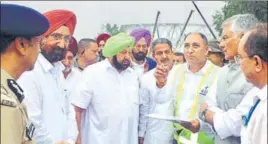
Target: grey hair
point(161, 41)
point(241, 22)
point(205, 39)
point(84, 44)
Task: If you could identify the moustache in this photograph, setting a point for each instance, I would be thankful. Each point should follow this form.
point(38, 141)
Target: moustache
point(139, 56)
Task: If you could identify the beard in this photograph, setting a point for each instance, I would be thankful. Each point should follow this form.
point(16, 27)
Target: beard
point(57, 54)
point(121, 66)
point(139, 56)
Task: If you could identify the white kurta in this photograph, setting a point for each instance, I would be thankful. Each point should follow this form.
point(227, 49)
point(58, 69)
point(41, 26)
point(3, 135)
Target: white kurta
point(49, 108)
point(190, 88)
point(111, 101)
point(155, 131)
point(256, 131)
point(71, 80)
point(139, 68)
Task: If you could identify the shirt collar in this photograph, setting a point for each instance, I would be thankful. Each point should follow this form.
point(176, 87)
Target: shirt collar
point(262, 94)
point(5, 74)
point(233, 65)
point(140, 65)
point(200, 72)
point(109, 66)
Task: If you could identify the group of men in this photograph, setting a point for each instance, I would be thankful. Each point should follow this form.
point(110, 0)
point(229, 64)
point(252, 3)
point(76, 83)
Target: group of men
point(57, 91)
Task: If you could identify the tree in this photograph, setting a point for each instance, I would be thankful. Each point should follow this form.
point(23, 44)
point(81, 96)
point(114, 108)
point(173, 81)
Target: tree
point(258, 8)
point(112, 30)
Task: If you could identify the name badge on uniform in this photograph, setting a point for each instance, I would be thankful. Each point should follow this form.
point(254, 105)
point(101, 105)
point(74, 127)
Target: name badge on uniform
point(204, 91)
point(30, 130)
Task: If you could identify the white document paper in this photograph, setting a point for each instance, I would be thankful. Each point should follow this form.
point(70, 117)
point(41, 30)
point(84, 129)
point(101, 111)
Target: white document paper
point(173, 119)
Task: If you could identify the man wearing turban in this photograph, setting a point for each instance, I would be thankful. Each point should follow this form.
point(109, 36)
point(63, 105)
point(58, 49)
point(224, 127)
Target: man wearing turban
point(48, 104)
point(70, 72)
point(101, 40)
point(141, 63)
point(107, 93)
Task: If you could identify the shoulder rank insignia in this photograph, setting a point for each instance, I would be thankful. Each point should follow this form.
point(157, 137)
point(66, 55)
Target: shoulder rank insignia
point(16, 89)
point(8, 103)
point(30, 128)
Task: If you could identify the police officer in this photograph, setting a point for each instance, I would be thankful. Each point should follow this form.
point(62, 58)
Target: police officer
point(21, 28)
point(215, 54)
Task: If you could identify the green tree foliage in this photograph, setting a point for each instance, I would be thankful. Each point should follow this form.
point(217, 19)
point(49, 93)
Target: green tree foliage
point(112, 30)
point(258, 8)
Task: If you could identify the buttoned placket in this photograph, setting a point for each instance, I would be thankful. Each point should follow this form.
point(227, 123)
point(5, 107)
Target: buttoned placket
point(56, 77)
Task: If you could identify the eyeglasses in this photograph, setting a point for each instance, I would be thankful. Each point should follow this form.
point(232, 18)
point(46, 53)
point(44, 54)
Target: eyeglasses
point(141, 46)
point(238, 58)
point(58, 36)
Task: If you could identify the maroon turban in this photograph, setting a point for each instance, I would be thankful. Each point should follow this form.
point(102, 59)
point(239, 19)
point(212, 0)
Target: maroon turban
point(73, 47)
point(102, 37)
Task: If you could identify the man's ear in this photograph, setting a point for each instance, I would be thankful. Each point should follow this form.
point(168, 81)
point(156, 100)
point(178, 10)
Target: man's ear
point(206, 48)
point(22, 45)
point(153, 56)
point(240, 35)
point(258, 63)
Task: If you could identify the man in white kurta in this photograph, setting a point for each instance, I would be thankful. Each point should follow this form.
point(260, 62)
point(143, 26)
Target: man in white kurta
point(108, 93)
point(190, 87)
point(141, 63)
point(49, 107)
point(153, 131)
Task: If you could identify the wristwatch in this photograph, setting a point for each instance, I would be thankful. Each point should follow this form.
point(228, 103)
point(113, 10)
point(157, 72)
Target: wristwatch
point(202, 115)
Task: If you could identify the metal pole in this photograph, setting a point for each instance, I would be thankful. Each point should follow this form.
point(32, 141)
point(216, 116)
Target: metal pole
point(204, 20)
point(157, 30)
point(183, 29)
point(155, 24)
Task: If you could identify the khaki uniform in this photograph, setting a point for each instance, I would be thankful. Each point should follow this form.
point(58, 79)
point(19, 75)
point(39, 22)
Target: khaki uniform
point(14, 126)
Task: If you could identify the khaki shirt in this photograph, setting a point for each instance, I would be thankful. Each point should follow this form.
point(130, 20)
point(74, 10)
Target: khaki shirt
point(14, 128)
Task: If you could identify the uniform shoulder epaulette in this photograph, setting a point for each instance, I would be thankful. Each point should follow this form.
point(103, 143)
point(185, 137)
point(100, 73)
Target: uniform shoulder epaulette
point(12, 84)
point(7, 100)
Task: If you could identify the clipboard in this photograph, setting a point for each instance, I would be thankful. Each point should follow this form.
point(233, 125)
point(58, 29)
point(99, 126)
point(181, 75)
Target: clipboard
point(173, 119)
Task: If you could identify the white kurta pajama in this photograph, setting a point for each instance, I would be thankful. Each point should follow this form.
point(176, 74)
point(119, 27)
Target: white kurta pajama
point(48, 106)
point(155, 131)
point(111, 101)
